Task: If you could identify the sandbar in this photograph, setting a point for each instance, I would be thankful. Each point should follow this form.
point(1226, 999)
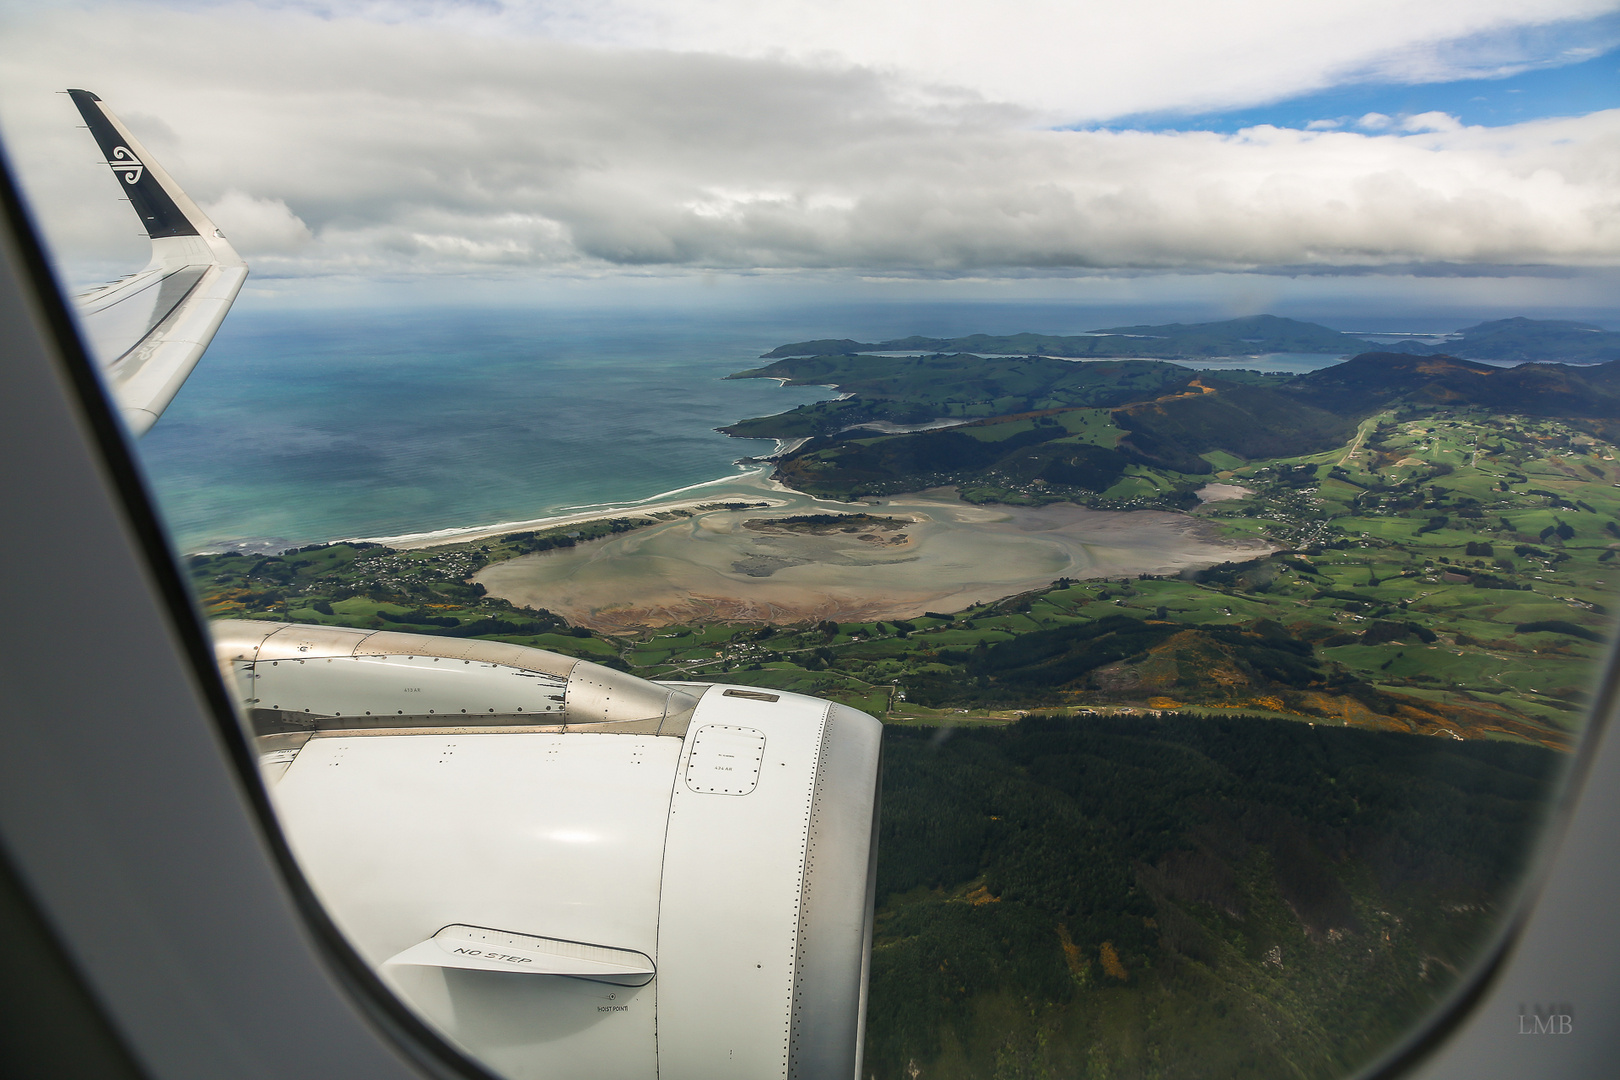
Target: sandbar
point(752, 485)
point(725, 566)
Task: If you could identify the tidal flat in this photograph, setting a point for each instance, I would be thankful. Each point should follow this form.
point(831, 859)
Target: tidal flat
point(902, 556)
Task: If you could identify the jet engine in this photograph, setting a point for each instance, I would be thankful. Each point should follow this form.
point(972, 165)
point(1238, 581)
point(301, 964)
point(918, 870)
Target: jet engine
point(570, 871)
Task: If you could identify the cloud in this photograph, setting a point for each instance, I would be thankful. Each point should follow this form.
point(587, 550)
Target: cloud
point(1430, 121)
point(1087, 60)
point(259, 226)
point(374, 148)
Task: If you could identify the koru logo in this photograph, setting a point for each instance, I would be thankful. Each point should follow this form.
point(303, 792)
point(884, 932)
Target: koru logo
point(127, 163)
point(1555, 1019)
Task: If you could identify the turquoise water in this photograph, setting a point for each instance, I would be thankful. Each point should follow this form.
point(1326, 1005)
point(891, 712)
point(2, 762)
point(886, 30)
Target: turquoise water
point(306, 428)
point(312, 426)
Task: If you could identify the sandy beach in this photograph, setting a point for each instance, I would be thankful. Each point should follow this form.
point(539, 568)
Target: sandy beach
point(938, 554)
point(751, 486)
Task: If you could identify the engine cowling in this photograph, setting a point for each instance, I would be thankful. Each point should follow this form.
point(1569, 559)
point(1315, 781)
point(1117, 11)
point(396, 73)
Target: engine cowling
point(569, 870)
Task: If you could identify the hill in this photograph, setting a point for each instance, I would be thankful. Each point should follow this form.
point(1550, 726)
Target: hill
point(1231, 337)
point(1370, 381)
point(1526, 340)
point(1249, 422)
point(1223, 897)
point(1516, 340)
point(914, 390)
point(1258, 665)
point(966, 384)
point(1171, 420)
point(1061, 451)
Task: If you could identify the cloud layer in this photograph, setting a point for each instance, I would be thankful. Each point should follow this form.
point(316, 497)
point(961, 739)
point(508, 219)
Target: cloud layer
point(1072, 60)
point(334, 145)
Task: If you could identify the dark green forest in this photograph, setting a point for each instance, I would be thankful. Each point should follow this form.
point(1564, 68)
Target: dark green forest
point(1132, 896)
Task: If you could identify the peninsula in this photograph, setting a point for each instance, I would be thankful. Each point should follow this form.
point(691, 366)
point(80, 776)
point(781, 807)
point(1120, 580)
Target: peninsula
point(1515, 339)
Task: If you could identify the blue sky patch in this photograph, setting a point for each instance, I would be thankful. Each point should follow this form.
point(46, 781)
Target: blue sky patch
point(1569, 90)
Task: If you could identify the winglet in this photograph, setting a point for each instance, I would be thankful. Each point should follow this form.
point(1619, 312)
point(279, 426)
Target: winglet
point(153, 200)
point(150, 329)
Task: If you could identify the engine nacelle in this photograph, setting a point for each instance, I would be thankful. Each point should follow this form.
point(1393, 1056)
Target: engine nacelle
point(571, 871)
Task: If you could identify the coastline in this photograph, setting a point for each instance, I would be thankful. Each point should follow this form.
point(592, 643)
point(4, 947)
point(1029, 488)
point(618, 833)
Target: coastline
point(756, 485)
point(753, 481)
point(752, 484)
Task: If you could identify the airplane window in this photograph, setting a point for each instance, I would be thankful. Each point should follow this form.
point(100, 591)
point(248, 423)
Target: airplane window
point(903, 608)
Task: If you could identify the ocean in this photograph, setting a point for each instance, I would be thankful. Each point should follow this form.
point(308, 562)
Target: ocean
point(310, 426)
point(315, 426)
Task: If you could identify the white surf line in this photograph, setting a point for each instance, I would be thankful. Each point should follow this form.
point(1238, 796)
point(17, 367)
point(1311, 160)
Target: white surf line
point(884, 427)
point(572, 515)
point(591, 511)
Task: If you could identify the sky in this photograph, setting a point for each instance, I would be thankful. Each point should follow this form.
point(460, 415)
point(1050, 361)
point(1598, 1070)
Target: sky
point(951, 147)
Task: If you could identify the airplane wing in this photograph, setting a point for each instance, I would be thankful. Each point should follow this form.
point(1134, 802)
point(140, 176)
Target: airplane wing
point(148, 330)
